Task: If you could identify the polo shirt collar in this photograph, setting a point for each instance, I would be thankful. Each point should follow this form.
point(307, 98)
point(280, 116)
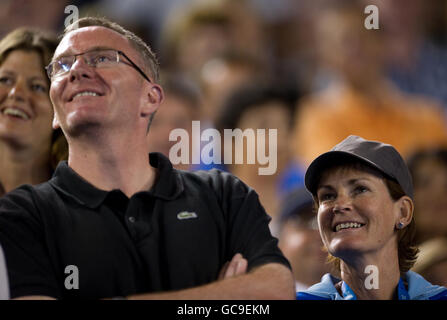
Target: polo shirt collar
point(168, 184)
point(348, 293)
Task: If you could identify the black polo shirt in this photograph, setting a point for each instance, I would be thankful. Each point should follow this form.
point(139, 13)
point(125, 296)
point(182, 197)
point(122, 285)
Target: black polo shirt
point(177, 235)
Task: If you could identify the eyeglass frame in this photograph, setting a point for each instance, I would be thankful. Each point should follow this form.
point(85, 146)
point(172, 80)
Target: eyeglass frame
point(118, 52)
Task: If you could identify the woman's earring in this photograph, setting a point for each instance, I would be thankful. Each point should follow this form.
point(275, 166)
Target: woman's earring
point(400, 225)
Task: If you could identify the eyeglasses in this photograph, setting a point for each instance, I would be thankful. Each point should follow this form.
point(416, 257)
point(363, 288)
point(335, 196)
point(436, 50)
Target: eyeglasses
point(102, 58)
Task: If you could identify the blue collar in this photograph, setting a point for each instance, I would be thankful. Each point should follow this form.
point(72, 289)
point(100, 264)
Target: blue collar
point(348, 293)
point(402, 293)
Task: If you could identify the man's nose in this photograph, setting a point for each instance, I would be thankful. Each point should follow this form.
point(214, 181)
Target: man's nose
point(80, 69)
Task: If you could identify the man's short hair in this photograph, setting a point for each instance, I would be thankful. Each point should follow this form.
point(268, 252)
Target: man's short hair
point(151, 64)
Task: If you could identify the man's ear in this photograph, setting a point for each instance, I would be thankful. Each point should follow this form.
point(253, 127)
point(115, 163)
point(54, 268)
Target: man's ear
point(153, 99)
point(405, 208)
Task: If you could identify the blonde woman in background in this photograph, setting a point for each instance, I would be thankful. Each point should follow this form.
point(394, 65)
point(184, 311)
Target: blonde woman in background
point(29, 148)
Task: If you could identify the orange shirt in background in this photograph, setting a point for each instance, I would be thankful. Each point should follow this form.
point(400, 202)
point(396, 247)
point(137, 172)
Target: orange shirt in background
point(407, 122)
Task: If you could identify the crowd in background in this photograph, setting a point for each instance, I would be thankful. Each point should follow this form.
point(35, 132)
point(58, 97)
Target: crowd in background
point(309, 69)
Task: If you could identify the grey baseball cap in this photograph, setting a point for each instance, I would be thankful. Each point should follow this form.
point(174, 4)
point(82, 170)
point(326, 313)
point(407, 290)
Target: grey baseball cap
point(381, 156)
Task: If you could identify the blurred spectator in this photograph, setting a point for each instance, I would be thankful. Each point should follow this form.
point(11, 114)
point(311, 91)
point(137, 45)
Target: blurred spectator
point(299, 239)
point(144, 17)
point(360, 101)
point(429, 171)
point(224, 74)
point(19, 13)
point(195, 34)
point(432, 261)
point(289, 27)
point(265, 107)
point(29, 148)
point(415, 62)
point(180, 107)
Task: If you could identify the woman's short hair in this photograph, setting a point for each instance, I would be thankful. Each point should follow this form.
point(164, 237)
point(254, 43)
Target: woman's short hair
point(44, 43)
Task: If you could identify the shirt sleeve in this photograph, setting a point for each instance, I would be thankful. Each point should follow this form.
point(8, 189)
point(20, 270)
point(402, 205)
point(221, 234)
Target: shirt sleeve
point(248, 229)
point(23, 241)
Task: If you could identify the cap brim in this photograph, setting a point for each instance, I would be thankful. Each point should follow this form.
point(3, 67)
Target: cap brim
point(313, 172)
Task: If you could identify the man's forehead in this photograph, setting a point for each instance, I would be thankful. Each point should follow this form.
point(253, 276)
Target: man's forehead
point(85, 38)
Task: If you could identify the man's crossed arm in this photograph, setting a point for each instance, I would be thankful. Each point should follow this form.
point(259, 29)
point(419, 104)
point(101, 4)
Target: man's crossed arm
point(272, 281)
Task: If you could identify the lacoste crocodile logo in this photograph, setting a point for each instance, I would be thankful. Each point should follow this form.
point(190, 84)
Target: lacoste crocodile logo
point(186, 215)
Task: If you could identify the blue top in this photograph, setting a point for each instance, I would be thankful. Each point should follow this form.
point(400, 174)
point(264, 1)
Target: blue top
point(418, 289)
point(291, 178)
point(427, 76)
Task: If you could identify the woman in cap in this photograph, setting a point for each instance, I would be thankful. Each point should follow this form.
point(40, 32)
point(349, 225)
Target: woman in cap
point(29, 148)
point(363, 195)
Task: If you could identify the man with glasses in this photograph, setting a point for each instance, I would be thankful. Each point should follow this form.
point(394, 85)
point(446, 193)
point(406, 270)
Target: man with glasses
point(109, 224)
